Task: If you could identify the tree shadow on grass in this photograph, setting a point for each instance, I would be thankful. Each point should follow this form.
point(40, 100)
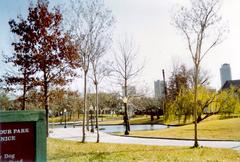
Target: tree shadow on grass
point(92, 156)
point(117, 155)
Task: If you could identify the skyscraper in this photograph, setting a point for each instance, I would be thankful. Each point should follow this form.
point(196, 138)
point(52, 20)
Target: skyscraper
point(225, 73)
point(159, 89)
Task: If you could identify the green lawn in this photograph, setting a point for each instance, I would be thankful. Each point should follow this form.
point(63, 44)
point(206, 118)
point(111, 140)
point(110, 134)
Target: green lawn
point(59, 150)
point(117, 119)
point(228, 129)
point(138, 119)
point(111, 119)
point(62, 118)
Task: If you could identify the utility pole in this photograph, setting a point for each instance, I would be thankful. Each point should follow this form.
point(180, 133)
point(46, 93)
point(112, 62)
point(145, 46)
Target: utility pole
point(165, 91)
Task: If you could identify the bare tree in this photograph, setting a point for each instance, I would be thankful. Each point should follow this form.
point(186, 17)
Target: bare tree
point(125, 70)
point(99, 71)
point(201, 26)
point(91, 23)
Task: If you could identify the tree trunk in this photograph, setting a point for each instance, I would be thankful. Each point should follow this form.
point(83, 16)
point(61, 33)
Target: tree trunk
point(195, 105)
point(158, 116)
point(87, 108)
point(97, 126)
point(84, 107)
point(87, 117)
point(46, 104)
point(126, 120)
point(199, 118)
point(206, 116)
point(24, 97)
point(24, 90)
point(152, 117)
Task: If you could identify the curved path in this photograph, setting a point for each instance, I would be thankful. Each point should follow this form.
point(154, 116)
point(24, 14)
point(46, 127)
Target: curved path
point(75, 134)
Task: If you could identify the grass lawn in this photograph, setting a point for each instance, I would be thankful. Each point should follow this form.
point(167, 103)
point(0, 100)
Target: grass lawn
point(112, 119)
point(139, 119)
point(59, 150)
point(227, 129)
point(62, 118)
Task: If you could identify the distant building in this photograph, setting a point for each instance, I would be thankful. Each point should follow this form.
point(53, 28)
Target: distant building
point(159, 89)
point(231, 83)
point(225, 73)
point(131, 90)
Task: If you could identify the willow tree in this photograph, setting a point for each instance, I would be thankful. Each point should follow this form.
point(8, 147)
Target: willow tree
point(179, 79)
point(90, 23)
point(202, 29)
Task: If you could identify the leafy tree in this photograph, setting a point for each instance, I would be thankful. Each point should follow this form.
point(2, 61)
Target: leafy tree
point(53, 54)
point(106, 100)
point(5, 102)
point(22, 58)
point(228, 102)
point(180, 79)
point(183, 78)
point(74, 102)
point(34, 99)
point(147, 105)
point(180, 94)
point(57, 100)
point(182, 106)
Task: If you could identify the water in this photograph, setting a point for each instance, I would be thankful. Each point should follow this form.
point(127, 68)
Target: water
point(119, 128)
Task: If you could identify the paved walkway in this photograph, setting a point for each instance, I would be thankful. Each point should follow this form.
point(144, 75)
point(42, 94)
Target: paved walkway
point(75, 134)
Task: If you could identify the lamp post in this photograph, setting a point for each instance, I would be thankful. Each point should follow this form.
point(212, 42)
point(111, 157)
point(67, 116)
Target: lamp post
point(65, 114)
point(126, 121)
point(61, 114)
point(91, 112)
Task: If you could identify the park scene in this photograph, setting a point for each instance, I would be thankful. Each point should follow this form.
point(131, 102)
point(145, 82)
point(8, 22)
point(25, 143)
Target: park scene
point(119, 80)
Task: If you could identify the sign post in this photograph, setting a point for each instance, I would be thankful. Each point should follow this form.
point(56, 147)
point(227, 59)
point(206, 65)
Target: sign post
point(23, 136)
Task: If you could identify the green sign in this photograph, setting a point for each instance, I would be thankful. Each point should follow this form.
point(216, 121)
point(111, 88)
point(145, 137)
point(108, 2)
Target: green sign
point(23, 136)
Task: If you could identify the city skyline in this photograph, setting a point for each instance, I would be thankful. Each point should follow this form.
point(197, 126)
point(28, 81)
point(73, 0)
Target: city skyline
point(149, 24)
point(225, 73)
point(158, 89)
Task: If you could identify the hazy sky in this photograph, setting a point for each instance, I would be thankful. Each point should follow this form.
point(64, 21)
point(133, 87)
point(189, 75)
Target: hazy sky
point(148, 22)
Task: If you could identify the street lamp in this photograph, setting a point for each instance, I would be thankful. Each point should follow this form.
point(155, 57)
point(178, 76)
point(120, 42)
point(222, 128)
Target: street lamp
point(125, 100)
point(91, 112)
point(65, 114)
point(126, 121)
point(61, 114)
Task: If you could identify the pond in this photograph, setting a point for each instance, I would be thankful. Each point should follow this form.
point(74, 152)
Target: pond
point(121, 128)
point(118, 128)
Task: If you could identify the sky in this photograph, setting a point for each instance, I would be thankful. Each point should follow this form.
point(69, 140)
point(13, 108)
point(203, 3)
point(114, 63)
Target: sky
point(148, 22)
